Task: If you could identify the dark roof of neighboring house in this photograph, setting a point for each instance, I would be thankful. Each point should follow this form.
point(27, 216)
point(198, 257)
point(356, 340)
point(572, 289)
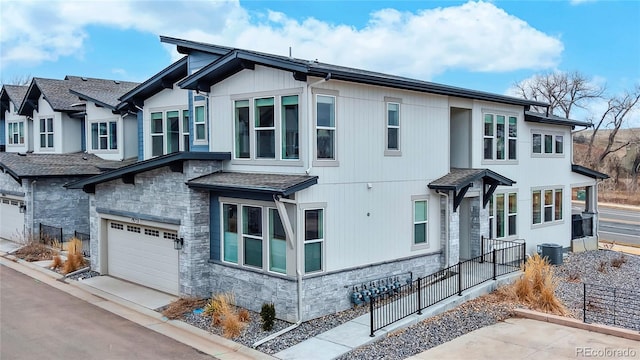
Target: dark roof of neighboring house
point(236, 60)
point(12, 93)
point(553, 120)
point(457, 179)
point(173, 160)
point(57, 92)
point(158, 82)
point(276, 184)
point(102, 92)
point(588, 172)
point(31, 165)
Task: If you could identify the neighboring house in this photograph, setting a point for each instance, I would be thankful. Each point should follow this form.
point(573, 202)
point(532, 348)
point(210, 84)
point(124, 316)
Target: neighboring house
point(318, 178)
point(14, 128)
point(45, 151)
point(111, 134)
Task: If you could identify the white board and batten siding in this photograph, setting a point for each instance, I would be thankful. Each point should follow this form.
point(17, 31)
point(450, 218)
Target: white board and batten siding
point(363, 224)
point(143, 254)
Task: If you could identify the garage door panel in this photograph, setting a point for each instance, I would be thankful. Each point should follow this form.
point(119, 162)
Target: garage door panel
point(142, 255)
point(11, 219)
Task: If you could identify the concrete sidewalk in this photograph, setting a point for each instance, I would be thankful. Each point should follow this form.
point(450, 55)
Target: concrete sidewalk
point(355, 333)
point(520, 338)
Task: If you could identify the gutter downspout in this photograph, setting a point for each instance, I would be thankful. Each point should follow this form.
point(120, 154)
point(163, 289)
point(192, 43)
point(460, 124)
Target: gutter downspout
point(282, 211)
point(446, 228)
point(33, 186)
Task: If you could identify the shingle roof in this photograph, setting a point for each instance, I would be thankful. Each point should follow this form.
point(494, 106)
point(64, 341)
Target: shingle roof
point(55, 165)
point(103, 92)
point(253, 182)
point(157, 82)
point(582, 170)
point(16, 93)
point(57, 92)
point(458, 178)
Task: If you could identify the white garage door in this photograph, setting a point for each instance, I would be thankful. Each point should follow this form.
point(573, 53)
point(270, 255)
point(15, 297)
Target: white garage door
point(143, 255)
point(11, 219)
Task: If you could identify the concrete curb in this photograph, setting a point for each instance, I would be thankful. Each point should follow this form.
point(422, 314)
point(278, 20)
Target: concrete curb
point(574, 323)
point(197, 338)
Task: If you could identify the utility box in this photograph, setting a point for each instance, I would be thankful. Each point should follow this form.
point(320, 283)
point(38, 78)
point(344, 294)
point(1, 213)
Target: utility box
point(581, 195)
point(553, 253)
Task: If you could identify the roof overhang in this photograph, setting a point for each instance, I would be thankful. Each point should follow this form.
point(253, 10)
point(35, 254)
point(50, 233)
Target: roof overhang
point(460, 180)
point(234, 62)
point(158, 82)
point(187, 46)
point(127, 173)
point(30, 101)
point(531, 116)
point(578, 169)
point(253, 183)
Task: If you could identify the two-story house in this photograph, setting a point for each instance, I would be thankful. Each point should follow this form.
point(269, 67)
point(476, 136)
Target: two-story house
point(318, 178)
point(47, 130)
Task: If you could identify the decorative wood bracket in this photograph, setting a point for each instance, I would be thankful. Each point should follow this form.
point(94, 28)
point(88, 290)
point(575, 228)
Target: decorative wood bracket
point(488, 193)
point(459, 195)
point(129, 179)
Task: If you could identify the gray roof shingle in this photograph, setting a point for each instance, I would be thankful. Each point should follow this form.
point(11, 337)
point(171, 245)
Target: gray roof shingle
point(254, 182)
point(16, 93)
point(104, 92)
point(458, 178)
point(53, 165)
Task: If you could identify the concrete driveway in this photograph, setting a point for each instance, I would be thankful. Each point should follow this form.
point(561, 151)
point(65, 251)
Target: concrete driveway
point(518, 338)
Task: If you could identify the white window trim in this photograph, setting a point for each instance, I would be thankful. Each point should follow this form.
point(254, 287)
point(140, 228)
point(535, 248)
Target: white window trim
point(314, 241)
point(494, 224)
point(553, 153)
point(507, 115)
point(426, 244)
point(387, 151)
point(192, 119)
point(278, 160)
point(12, 124)
point(266, 207)
point(555, 221)
point(148, 125)
point(90, 137)
point(46, 133)
point(326, 232)
point(324, 162)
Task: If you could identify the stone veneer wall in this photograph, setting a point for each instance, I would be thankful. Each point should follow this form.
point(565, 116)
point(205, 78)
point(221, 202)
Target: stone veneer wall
point(322, 294)
point(164, 194)
point(55, 205)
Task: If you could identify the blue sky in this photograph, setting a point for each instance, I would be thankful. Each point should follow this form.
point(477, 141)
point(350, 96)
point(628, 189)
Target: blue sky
point(478, 45)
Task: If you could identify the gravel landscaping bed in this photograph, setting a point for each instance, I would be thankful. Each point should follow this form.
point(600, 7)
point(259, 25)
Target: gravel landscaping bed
point(594, 267)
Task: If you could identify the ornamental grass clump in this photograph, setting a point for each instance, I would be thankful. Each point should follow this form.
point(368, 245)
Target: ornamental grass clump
point(223, 313)
point(536, 288)
point(75, 260)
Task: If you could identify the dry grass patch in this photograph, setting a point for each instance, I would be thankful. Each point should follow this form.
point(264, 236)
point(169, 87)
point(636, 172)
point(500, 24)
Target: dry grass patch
point(617, 262)
point(56, 263)
point(223, 313)
point(536, 287)
point(182, 306)
point(75, 260)
point(35, 251)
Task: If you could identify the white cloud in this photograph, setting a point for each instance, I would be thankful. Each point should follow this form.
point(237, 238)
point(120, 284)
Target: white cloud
point(476, 36)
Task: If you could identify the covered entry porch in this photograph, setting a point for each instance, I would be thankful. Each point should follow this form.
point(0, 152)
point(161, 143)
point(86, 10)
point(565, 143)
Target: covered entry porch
point(465, 219)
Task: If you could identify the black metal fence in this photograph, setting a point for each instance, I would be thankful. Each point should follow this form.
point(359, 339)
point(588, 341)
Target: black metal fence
point(52, 235)
point(85, 238)
point(403, 301)
point(611, 306)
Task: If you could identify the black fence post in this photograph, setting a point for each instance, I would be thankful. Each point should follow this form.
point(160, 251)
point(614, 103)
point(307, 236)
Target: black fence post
point(371, 314)
point(419, 296)
point(459, 279)
point(40, 232)
point(481, 248)
point(495, 264)
point(584, 302)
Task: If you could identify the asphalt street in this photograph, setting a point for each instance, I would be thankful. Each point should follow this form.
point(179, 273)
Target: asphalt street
point(620, 225)
point(38, 321)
